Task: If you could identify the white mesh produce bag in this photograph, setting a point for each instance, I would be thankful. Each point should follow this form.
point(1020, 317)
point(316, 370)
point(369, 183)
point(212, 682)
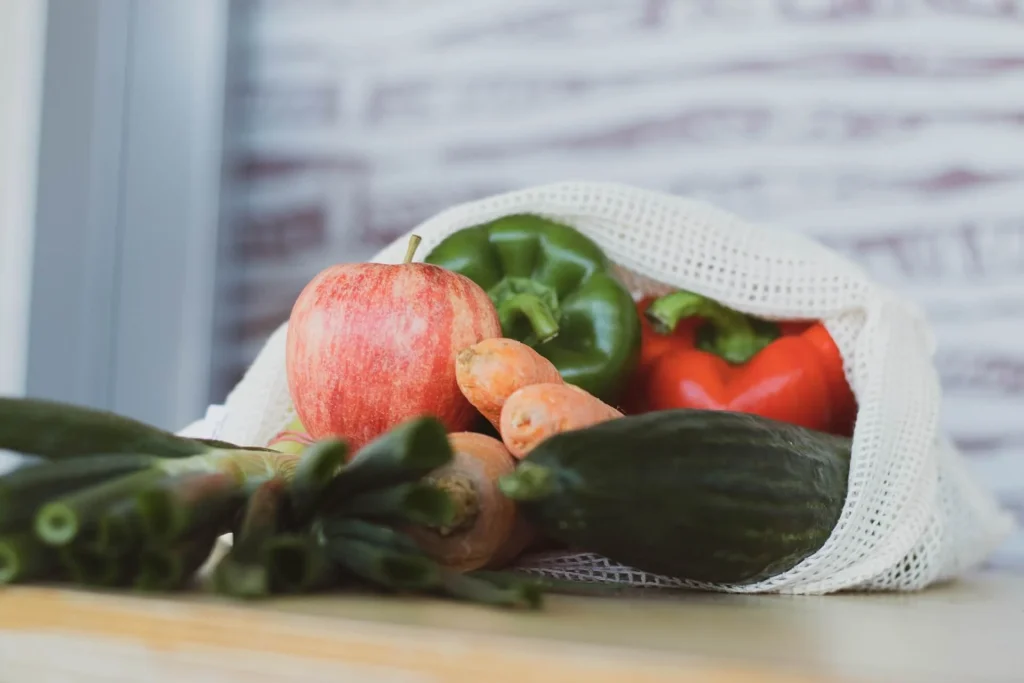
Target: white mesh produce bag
point(913, 514)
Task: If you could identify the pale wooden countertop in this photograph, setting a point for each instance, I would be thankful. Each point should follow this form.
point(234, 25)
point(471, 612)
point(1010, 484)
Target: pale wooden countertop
point(971, 630)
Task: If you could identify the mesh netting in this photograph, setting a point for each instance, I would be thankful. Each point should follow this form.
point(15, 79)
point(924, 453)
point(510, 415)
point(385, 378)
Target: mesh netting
point(913, 514)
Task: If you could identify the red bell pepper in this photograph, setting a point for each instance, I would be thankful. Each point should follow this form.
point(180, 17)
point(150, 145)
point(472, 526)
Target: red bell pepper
point(700, 354)
point(653, 346)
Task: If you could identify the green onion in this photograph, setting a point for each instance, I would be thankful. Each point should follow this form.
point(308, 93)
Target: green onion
point(60, 521)
point(480, 590)
point(187, 501)
point(262, 518)
point(57, 431)
point(242, 579)
point(115, 528)
point(171, 567)
point(298, 564)
point(317, 467)
point(382, 566)
point(245, 571)
point(361, 530)
point(25, 490)
point(90, 568)
point(219, 445)
point(404, 453)
point(414, 502)
point(24, 558)
point(545, 583)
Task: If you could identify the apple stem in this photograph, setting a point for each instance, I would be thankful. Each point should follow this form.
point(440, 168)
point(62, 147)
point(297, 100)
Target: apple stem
point(414, 243)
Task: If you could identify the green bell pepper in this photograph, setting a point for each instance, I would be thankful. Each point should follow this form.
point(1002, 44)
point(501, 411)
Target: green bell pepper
point(554, 290)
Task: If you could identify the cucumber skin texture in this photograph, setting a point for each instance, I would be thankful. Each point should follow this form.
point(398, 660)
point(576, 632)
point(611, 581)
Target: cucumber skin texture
point(708, 496)
point(56, 430)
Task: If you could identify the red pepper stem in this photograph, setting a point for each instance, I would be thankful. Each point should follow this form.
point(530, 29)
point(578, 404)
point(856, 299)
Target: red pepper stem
point(536, 312)
point(735, 339)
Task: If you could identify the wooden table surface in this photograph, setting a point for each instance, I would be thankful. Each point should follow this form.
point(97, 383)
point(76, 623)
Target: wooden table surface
point(971, 630)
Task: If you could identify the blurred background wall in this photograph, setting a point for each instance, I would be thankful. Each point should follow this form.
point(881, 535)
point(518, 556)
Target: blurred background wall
point(316, 131)
point(21, 68)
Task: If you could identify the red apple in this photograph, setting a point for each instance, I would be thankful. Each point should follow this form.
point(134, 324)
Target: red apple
point(370, 345)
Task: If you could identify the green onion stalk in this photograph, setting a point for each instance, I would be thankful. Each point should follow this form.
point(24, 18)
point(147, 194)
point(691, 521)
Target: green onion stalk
point(113, 502)
point(163, 501)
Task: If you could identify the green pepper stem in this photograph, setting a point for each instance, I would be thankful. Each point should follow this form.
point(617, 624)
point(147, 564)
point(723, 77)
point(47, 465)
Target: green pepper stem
point(528, 482)
point(536, 312)
point(735, 337)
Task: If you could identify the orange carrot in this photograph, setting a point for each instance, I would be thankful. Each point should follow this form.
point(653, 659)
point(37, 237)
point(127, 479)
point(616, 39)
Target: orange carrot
point(489, 371)
point(536, 412)
point(521, 537)
point(484, 518)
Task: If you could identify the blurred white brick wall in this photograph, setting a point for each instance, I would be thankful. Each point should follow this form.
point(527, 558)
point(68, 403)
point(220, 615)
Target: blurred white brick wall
point(893, 130)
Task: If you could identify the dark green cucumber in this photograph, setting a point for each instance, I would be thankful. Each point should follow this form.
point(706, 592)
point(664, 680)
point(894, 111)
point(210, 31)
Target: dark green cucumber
point(56, 430)
point(703, 495)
